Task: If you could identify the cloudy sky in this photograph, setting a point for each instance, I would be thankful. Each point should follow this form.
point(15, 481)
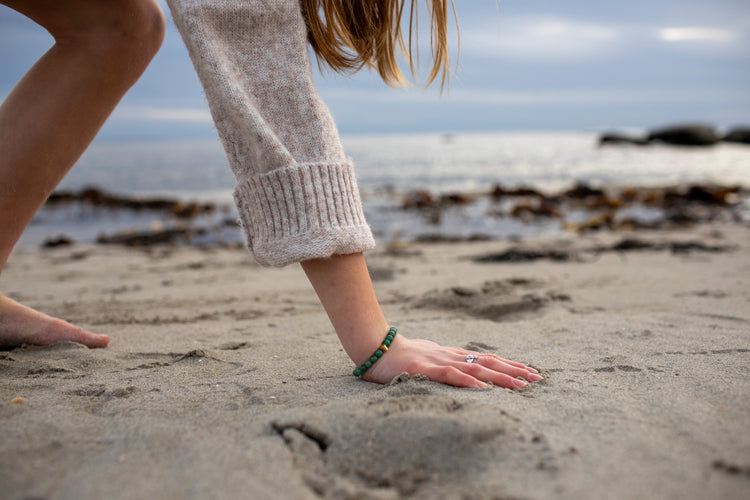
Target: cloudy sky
point(523, 65)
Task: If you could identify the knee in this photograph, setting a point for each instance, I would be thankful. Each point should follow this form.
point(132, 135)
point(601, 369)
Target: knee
point(142, 32)
point(124, 35)
point(133, 34)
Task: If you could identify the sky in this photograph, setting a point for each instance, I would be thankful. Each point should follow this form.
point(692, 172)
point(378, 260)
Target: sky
point(586, 65)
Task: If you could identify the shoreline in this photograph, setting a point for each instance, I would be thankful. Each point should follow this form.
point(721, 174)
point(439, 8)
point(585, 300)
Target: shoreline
point(94, 215)
point(225, 379)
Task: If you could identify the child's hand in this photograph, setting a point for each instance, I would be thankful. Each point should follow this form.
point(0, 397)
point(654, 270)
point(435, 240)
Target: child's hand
point(448, 365)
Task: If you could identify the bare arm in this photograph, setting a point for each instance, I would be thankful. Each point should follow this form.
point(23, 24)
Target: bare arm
point(346, 292)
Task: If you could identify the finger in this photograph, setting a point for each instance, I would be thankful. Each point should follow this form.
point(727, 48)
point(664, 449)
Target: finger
point(452, 376)
point(509, 369)
point(516, 364)
point(501, 365)
point(488, 375)
point(464, 352)
point(519, 365)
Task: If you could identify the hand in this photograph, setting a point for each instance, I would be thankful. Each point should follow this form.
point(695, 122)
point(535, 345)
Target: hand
point(448, 365)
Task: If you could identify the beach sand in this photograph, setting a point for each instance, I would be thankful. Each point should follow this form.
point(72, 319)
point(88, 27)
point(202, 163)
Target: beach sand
point(225, 380)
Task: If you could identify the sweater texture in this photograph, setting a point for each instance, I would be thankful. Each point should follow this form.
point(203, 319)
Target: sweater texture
point(296, 192)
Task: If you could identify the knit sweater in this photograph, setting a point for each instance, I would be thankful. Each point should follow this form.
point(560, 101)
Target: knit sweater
point(296, 192)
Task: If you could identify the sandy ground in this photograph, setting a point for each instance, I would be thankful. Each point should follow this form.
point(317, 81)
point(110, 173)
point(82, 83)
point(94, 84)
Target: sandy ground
point(224, 379)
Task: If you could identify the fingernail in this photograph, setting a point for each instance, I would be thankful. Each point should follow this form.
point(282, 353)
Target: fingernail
point(520, 384)
point(534, 377)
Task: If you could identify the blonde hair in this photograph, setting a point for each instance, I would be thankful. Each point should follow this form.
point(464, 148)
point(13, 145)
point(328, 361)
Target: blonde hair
point(350, 34)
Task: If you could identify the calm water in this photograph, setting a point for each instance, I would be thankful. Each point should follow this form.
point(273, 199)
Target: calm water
point(387, 167)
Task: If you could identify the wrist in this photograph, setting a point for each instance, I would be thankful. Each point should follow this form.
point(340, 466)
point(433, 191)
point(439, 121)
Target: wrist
point(360, 343)
point(377, 354)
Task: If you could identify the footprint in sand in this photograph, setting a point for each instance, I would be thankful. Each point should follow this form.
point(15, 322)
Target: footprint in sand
point(506, 300)
point(100, 391)
point(406, 442)
point(198, 356)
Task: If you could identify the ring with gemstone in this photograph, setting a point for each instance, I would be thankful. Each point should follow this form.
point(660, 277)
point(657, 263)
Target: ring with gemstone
point(471, 357)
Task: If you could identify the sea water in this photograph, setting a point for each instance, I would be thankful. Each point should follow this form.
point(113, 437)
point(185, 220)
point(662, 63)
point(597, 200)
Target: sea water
point(388, 166)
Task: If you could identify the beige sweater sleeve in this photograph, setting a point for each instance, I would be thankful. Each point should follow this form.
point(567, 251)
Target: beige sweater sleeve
point(296, 192)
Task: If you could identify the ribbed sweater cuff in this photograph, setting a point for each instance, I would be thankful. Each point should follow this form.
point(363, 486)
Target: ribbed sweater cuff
point(302, 212)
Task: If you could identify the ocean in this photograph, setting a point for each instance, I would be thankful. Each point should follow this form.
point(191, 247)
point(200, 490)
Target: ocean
point(388, 167)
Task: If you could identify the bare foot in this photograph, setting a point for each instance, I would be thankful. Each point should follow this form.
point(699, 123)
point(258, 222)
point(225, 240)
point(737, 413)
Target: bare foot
point(23, 325)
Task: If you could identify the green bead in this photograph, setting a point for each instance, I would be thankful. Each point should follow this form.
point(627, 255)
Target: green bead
point(377, 354)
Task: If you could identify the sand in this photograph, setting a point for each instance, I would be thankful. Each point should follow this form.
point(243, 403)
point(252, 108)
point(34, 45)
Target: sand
point(225, 380)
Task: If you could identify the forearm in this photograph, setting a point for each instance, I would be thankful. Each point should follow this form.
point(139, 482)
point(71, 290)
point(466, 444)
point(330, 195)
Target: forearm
point(344, 287)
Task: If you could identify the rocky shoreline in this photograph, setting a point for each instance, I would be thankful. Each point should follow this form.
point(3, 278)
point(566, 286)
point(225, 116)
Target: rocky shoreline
point(581, 208)
point(697, 134)
point(584, 208)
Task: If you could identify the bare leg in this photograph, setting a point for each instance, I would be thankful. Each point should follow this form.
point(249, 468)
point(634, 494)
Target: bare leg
point(52, 115)
point(345, 289)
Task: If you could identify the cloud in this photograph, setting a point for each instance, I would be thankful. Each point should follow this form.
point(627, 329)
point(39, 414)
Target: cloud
point(184, 115)
point(539, 98)
point(540, 39)
point(590, 96)
point(697, 34)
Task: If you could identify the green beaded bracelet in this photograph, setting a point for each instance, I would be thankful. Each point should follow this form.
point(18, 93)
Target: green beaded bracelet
point(358, 372)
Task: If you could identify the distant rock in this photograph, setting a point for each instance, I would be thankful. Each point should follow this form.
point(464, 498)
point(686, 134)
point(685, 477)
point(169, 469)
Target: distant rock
point(146, 238)
point(97, 197)
point(679, 135)
point(418, 199)
point(738, 134)
point(685, 135)
point(582, 191)
point(58, 241)
point(498, 191)
point(615, 138)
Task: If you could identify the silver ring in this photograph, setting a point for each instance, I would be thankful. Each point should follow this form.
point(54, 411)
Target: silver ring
point(471, 357)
